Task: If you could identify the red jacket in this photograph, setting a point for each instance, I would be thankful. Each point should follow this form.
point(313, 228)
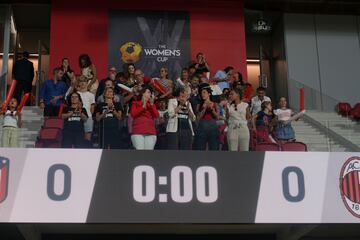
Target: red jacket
point(143, 118)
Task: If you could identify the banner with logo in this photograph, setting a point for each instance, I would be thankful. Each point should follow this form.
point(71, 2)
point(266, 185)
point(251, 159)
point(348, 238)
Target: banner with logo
point(150, 40)
point(114, 186)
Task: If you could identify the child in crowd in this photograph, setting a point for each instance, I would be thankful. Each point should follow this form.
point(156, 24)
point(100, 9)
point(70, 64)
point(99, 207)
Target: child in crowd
point(264, 122)
point(12, 121)
point(284, 130)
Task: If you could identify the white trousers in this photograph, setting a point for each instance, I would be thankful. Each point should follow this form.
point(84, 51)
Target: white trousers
point(143, 142)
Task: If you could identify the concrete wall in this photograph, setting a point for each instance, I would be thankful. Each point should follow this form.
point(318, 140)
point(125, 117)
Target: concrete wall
point(323, 54)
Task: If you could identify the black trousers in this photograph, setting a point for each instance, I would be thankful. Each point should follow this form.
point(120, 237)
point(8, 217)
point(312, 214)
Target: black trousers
point(181, 140)
point(73, 139)
point(207, 134)
point(23, 88)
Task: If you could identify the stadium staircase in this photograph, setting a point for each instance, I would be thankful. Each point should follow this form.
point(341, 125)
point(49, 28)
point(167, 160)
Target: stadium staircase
point(32, 122)
point(328, 131)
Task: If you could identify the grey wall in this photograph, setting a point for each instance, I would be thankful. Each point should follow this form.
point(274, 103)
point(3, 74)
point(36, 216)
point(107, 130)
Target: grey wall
point(323, 54)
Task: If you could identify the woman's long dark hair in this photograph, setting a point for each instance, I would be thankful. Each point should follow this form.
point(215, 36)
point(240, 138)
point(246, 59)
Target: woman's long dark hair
point(87, 60)
point(208, 89)
point(126, 70)
point(237, 91)
point(62, 66)
point(143, 90)
point(68, 99)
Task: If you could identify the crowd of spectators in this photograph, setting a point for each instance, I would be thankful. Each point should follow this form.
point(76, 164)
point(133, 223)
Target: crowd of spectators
point(129, 110)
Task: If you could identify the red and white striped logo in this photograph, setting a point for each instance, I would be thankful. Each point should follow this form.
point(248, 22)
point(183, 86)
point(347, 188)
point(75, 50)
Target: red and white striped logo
point(4, 178)
point(350, 185)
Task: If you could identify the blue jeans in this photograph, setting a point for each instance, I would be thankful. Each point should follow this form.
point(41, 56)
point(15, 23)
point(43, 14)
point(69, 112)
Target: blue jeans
point(207, 134)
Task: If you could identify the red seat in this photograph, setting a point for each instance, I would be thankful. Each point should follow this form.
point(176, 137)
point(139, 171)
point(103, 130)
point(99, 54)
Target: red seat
point(264, 147)
point(343, 108)
point(50, 134)
point(294, 147)
point(355, 112)
point(54, 123)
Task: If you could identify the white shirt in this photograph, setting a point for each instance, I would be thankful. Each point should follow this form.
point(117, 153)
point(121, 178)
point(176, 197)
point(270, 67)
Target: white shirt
point(237, 117)
point(283, 114)
point(88, 99)
point(10, 120)
point(256, 104)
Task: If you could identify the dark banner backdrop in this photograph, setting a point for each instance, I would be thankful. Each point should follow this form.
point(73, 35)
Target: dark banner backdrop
point(150, 39)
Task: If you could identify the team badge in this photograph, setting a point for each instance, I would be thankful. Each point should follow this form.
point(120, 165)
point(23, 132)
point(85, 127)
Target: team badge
point(350, 185)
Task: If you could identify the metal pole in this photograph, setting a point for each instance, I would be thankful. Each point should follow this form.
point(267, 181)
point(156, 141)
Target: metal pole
point(6, 48)
point(38, 80)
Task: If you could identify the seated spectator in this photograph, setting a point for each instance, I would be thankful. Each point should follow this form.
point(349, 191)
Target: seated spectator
point(257, 101)
point(161, 124)
point(108, 115)
point(11, 123)
point(222, 77)
point(88, 70)
point(144, 113)
point(68, 72)
point(207, 114)
point(88, 101)
point(74, 116)
point(238, 115)
point(284, 130)
point(179, 128)
point(200, 65)
point(52, 94)
point(264, 122)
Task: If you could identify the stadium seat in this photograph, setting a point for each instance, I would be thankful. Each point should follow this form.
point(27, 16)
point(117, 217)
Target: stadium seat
point(50, 134)
point(343, 108)
point(294, 147)
point(355, 112)
point(264, 147)
point(53, 123)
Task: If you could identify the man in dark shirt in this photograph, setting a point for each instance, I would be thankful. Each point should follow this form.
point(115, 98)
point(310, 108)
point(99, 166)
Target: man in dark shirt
point(23, 73)
point(201, 64)
point(52, 94)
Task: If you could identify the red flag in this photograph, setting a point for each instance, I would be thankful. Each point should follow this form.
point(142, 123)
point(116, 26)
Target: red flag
point(9, 95)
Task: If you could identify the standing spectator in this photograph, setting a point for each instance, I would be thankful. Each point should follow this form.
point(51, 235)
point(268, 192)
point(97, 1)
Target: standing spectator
point(183, 81)
point(117, 97)
point(129, 74)
point(111, 76)
point(144, 114)
point(23, 73)
point(238, 115)
point(52, 94)
point(194, 95)
point(222, 77)
point(12, 121)
point(161, 123)
point(179, 128)
point(74, 116)
point(264, 123)
point(284, 130)
point(244, 86)
point(208, 114)
point(88, 102)
point(108, 114)
point(88, 70)
point(257, 101)
point(68, 72)
point(201, 65)
point(165, 82)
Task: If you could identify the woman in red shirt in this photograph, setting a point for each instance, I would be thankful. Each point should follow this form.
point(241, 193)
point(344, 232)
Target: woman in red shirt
point(144, 113)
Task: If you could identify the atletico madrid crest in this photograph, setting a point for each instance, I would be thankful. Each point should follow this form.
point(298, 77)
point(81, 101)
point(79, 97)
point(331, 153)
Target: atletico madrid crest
point(4, 178)
point(350, 185)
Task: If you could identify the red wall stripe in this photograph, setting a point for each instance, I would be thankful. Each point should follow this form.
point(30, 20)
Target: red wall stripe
point(216, 27)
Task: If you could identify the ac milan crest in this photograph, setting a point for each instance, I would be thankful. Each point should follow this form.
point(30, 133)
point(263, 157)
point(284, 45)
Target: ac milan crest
point(350, 185)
